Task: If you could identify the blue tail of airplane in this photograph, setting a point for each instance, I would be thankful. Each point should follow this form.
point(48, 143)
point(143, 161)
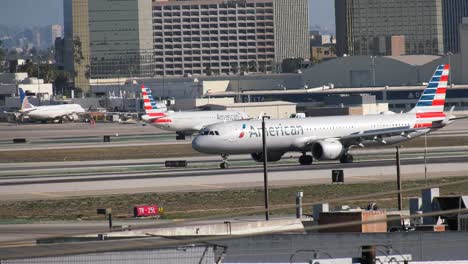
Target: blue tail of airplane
point(25, 104)
point(22, 95)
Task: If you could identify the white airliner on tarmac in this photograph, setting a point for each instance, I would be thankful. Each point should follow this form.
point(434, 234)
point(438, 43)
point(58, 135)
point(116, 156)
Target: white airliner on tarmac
point(329, 138)
point(184, 123)
point(44, 113)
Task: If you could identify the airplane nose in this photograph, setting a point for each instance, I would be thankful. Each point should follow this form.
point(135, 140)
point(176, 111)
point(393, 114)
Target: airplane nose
point(197, 144)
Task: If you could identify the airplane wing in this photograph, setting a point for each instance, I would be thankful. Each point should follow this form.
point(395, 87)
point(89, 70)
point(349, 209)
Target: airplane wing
point(457, 118)
point(357, 137)
point(380, 134)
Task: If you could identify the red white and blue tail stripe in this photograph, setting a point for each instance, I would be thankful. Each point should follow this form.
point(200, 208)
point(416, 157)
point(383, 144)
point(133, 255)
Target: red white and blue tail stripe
point(430, 107)
point(152, 108)
point(433, 97)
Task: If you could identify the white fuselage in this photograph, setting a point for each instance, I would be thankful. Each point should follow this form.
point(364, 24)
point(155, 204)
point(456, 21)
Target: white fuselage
point(195, 120)
point(52, 111)
point(296, 134)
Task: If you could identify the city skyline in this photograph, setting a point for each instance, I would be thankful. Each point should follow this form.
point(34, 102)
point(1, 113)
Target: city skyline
point(49, 12)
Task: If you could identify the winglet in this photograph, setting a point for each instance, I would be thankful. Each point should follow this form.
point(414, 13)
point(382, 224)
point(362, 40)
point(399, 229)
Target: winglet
point(449, 116)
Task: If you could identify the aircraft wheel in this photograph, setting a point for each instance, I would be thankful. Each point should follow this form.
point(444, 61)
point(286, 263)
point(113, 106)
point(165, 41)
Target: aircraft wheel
point(306, 160)
point(347, 158)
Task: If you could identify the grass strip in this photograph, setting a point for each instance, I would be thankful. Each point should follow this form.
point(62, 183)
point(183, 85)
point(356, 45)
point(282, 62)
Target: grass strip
point(199, 204)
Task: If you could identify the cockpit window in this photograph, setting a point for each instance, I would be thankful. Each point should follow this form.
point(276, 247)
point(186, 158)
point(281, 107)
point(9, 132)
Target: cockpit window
point(208, 132)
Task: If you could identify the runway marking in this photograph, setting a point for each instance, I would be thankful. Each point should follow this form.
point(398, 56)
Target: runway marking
point(208, 185)
point(47, 194)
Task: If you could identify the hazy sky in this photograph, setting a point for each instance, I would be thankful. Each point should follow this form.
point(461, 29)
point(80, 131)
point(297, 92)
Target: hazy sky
point(30, 13)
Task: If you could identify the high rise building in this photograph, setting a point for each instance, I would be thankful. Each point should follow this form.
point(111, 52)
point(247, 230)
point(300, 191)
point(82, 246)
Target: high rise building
point(57, 32)
point(121, 38)
point(76, 41)
point(206, 36)
point(453, 12)
point(107, 39)
point(463, 29)
point(359, 22)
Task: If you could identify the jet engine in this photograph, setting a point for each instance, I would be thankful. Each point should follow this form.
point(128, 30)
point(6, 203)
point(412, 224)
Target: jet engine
point(271, 156)
point(327, 150)
point(72, 117)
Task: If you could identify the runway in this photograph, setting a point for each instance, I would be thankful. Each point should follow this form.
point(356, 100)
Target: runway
point(81, 135)
point(50, 180)
point(60, 185)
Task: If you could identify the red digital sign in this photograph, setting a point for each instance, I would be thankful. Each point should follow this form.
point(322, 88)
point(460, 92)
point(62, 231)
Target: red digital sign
point(146, 210)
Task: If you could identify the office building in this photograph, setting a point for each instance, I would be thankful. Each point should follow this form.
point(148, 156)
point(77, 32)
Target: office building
point(463, 28)
point(359, 22)
point(453, 12)
point(56, 32)
point(107, 39)
point(121, 41)
point(218, 36)
point(76, 41)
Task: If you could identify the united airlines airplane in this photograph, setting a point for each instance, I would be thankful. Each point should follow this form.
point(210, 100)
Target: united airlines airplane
point(44, 113)
point(329, 138)
point(184, 123)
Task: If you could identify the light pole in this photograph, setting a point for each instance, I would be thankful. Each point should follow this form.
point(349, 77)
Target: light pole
point(265, 169)
point(38, 85)
point(425, 157)
point(373, 70)
point(400, 205)
point(449, 54)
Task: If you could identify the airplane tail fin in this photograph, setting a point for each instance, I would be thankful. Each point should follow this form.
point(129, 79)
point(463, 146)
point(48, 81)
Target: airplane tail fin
point(152, 108)
point(433, 98)
point(25, 104)
point(430, 108)
point(22, 95)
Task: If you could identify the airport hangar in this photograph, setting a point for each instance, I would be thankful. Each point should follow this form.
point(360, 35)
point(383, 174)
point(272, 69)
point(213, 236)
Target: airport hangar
point(399, 81)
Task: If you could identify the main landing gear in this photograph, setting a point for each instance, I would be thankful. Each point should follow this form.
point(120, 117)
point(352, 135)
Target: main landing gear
point(225, 163)
point(305, 159)
point(346, 158)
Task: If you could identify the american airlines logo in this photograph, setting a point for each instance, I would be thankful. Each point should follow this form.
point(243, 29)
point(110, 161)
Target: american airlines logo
point(227, 117)
point(273, 131)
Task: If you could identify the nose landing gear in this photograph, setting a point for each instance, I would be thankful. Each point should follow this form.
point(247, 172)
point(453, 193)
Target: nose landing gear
point(225, 163)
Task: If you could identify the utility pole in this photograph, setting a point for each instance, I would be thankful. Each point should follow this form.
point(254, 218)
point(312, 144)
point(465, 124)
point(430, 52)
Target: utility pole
point(398, 178)
point(38, 95)
point(265, 169)
point(449, 59)
point(425, 157)
point(373, 70)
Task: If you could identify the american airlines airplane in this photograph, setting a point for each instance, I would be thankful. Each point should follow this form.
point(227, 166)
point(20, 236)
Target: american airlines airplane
point(48, 112)
point(184, 123)
point(328, 138)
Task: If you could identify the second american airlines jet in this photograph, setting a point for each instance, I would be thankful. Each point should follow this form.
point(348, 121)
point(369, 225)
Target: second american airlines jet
point(328, 138)
point(183, 123)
